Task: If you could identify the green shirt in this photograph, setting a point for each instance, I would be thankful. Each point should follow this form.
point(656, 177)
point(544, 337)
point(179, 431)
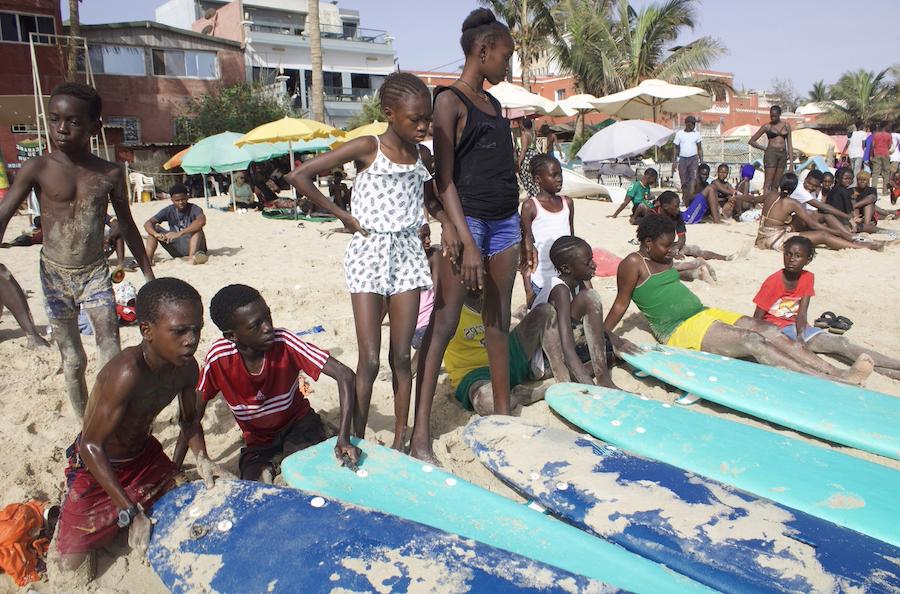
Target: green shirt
point(639, 193)
point(666, 302)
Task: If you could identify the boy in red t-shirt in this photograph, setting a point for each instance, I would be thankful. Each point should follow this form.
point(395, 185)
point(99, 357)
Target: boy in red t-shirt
point(256, 367)
point(784, 298)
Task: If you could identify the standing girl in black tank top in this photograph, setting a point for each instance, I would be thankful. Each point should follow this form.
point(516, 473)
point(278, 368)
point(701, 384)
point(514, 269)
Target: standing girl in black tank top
point(476, 181)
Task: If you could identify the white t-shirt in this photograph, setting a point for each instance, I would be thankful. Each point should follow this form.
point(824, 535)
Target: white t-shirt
point(895, 147)
point(802, 196)
point(687, 142)
point(856, 144)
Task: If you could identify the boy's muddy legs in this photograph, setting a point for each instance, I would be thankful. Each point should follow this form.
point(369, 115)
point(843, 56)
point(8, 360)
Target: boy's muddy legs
point(588, 307)
point(106, 332)
point(403, 310)
point(791, 348)
point(74, 362)
point(12, 296)
point(833, 344)
point(538, 331)
point(498, 285)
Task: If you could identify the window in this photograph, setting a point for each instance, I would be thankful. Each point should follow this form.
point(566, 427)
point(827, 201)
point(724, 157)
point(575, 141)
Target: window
point(130, 126)
point(350, 30)
point(360, 81)
point(560, 94)
point(117, 59)
point(185, 64)
point(17, 27)
point(23, 129)
point(333, 79)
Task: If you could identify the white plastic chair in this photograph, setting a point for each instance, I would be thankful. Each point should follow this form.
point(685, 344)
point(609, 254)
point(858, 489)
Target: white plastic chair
point(142, 183)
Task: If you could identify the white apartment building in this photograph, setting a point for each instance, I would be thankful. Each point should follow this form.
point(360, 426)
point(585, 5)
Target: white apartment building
point(275, 39)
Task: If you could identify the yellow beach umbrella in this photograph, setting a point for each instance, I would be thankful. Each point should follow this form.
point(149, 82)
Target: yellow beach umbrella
point(373, 129)
point(175, 160)
point(812, 143)
point(288, 130)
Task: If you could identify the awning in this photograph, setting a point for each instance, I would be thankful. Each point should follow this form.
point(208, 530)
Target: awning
point(19, 109)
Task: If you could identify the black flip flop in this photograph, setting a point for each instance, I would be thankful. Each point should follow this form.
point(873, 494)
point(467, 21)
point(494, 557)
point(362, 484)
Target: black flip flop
point(825, 320)
point(840, 325)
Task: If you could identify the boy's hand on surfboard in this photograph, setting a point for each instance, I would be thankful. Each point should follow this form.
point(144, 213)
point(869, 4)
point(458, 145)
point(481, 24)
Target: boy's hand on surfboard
point(347, 452)
point(623, 345)
point(208, 470)
point(139, 533)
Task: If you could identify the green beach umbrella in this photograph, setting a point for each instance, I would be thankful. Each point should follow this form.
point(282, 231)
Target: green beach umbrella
point(218, 153)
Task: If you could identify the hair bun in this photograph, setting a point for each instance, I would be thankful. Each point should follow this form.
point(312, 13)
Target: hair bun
point(478, 18)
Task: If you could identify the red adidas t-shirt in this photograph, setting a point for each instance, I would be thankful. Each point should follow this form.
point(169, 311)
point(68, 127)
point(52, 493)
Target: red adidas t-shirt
point(782, 306)
point(265, 403)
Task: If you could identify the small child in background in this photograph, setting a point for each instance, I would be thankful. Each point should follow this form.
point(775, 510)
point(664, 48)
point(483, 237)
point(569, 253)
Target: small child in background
point(783, 300)
point(639, 196)
point(385, 262)
point(545, 218)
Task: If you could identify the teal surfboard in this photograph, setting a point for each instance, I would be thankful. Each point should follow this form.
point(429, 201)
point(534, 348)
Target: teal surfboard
point(390, 482)
point(848, 415)
point(822, 482)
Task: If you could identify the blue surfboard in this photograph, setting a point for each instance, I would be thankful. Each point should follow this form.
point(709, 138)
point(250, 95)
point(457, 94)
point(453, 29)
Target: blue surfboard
point(248, 537)
point(397, 484)
point(848, 415)
point(713, 533)
point(820, 481)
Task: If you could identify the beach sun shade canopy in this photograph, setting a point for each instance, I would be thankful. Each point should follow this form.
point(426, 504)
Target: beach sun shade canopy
point(624, 139)
point(219, 153)
point(373, 129)
point(652, 97)
point(175, 160)
point(582, 102)
point(288, 130)
point(515, 97)
point(811, 142)
point(745, 131)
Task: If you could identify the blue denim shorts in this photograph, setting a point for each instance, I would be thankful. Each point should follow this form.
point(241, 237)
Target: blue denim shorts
point(67, 288)
point(791, 332)
point(493, 237)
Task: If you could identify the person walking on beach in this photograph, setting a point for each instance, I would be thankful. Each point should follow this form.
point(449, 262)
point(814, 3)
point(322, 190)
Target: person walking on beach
point(688, 155)
point(476, 182)
point(779, 152)
point(385, 265)
point(856, 141)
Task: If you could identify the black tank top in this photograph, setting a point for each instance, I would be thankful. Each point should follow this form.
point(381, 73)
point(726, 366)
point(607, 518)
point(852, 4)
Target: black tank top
point(484, 164)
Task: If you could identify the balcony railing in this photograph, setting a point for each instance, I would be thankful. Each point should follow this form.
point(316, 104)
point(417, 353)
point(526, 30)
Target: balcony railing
point(328, 32)
point(347, 94)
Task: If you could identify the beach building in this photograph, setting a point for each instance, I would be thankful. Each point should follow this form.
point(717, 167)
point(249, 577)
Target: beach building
point(275, 39)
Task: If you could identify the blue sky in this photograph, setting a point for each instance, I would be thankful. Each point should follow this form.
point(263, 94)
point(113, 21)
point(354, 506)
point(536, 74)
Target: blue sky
point(799, 41)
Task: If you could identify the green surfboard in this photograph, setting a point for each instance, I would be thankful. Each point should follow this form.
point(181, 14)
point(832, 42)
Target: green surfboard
point(390, 482)
point(848, 415)
point(847, 491)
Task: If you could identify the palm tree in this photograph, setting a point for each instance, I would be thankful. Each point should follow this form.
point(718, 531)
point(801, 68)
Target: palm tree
point(317, 89)
point(531, 23)
point(819, 93)
point(74, 31)
point(863, 96)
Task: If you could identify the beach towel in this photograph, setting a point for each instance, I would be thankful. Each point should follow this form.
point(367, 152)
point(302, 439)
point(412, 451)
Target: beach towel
point(21, 542)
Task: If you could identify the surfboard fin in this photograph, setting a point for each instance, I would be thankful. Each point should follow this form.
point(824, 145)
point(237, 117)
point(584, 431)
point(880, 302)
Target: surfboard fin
point(688, 399)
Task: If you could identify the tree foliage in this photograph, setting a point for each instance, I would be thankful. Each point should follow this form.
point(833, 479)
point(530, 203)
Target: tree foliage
point(371, 112)
point(784, 94)
point(531, 24)
point(238, 108)
point(819, 93)
point(864, 96)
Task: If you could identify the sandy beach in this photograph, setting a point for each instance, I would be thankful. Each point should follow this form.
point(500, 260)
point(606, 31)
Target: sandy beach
point(299, 271)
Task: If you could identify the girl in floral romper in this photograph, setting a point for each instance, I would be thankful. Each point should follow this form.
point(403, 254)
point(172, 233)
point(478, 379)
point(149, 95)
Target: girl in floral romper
point(385, 263)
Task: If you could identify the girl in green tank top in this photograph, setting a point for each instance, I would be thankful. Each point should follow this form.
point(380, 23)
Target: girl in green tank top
point(648, 278)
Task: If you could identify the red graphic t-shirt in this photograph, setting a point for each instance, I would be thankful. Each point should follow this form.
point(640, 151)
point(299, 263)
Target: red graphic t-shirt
point(265, 403)
point(782, 306)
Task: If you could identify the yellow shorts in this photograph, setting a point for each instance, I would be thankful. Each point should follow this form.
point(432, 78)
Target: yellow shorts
point(689, 334)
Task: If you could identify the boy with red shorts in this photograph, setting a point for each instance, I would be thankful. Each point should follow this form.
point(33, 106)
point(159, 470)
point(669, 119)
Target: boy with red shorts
point(256, 367)
point(117, 469)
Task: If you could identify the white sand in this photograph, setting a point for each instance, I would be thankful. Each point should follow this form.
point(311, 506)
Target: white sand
point(300, 273)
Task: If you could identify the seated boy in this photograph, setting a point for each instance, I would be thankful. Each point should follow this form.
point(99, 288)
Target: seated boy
point(639, 196)
point(466, 357)
point(184, 238)
point(117, 469)
point(256, 367)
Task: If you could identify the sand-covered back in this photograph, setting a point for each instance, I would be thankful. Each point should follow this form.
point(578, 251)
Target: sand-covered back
point(299, 271)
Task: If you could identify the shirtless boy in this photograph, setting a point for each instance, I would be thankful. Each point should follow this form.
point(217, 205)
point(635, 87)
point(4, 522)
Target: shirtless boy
point(117, 469)
point(74, 188)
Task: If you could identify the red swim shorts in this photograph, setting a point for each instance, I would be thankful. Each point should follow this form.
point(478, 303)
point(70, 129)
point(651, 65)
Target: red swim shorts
point(89, 516)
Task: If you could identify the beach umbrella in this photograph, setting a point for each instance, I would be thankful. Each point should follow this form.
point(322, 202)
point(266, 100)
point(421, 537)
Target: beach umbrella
point(745, 131)
point(840, 141)
point(175, 160)
point(582, 102)
point(624, 139)
point(811, 142)
point(373, 129)
point(514, 97)
point(652, 97)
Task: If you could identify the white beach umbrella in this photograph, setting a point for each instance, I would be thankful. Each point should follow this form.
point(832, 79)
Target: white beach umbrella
point(745, 131)
point(582, 102)
point(652, 97)
point(513, 96)
point(624, 139)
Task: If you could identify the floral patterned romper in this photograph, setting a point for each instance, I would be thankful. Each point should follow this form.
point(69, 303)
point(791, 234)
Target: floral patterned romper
point(388, 200)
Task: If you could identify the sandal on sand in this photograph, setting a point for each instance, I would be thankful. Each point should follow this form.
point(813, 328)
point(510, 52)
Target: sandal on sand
point(840, 325)
point(825, 320)
point(201, 258)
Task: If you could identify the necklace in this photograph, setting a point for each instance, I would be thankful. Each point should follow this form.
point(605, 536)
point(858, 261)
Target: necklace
point(480, 94)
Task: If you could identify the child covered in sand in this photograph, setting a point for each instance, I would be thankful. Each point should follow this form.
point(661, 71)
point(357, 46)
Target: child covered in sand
point(74, 188)
point(639, 196)
point(256, 367)
point(117, 469)
point(783, 300)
